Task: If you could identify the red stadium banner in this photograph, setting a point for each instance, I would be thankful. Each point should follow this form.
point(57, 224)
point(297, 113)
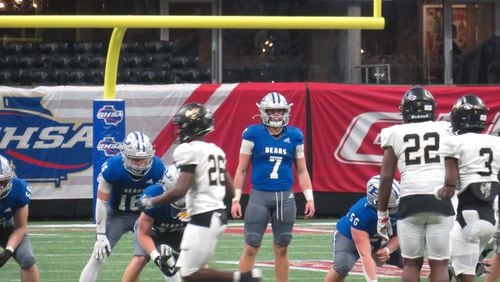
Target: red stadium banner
point(346, 122)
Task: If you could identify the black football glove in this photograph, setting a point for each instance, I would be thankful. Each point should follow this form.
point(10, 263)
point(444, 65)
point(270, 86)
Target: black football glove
point(166, 264)
point(5, 256)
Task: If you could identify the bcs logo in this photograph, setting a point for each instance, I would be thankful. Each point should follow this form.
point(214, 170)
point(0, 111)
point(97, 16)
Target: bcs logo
point(361, 141)
point(110, 115)
point(109, 146)
point(42, 149)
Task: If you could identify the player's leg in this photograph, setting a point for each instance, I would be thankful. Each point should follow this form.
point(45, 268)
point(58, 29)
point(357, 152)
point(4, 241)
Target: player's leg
point(198, 245)
point(133, 270)
point(345, 256)
point(257, 215)
point(411, 234)
point(282, 221)
point(26, 260)
point(438, 245)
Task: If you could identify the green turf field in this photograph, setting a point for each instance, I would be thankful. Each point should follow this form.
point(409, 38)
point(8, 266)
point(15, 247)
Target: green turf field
point(62, 249)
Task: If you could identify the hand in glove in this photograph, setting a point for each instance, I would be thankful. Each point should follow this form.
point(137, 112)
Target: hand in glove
point(5, 256)
point(102, 248)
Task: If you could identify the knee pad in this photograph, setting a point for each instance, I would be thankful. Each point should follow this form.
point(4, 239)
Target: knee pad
point(475, 228)
point(342, 268)
point(253, 239)
point(27, 262)
point(284, 239)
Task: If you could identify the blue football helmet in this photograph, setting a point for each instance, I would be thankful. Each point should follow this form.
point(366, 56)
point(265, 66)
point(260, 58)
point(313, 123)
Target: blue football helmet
point(274, 101)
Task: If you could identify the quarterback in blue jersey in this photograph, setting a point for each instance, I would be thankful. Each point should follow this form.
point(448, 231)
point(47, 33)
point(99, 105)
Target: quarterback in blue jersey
point(356, 236)
point(159, 229)
point(122, 180)
point(272, 147)
point(15, 197)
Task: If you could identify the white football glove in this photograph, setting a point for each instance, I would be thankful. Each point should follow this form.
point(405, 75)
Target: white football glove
point(166, 250)
point(102, 248)
point(384, 227)
point(144, 203)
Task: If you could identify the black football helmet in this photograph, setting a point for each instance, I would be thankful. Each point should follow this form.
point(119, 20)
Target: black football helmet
point(193, 120)
point(417, 105)
point(468, 114)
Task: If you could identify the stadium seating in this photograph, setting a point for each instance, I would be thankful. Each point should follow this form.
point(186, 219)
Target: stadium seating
point(83, 63)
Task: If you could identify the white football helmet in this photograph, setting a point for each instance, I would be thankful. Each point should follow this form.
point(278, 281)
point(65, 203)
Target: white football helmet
point(274, 101)
point(137, 153)
point(372, 188)
point(168, 182)
point(6, 175)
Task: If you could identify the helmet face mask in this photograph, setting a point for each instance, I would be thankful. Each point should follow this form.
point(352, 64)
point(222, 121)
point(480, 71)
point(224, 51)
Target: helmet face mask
point(274, 110)
point(193, 120)
point(137, 153)
point(372, 189)
point(468, 114)
point(168, 182)
point(6, 176)
point(417, 105)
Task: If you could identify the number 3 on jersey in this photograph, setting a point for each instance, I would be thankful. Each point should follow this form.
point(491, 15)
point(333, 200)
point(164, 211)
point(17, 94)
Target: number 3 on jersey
point(216, 170)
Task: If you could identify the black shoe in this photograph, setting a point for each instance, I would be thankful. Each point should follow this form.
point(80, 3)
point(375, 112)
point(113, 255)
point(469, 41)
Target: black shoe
point(251, 276)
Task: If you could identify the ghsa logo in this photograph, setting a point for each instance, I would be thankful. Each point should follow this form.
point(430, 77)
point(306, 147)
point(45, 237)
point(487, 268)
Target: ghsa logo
point(109, 146)
point(41, 148)
point(110, 115)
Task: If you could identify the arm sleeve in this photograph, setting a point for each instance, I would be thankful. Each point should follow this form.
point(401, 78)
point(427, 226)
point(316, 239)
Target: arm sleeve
point(246, 147)
point(100, 216)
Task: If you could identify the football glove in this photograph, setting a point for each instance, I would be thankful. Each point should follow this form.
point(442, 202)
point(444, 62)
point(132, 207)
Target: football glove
point(144, 203)
point(5, 256)
point(384, 227)
point(166, 261)
point(102, 248)
point(496, 242)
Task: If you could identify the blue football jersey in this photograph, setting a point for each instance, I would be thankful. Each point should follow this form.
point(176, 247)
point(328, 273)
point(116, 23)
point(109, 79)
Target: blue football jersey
point(362, 216)
point(126, 190)
point(18, 197)
point(165, 217)
point(273, 157)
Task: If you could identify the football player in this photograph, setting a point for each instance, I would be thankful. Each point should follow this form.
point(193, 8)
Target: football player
point(472, 166)
point(356, 236)
point(122, 180)
point(424, 222)
point(272, 147)
point(159, 230)
point(204, 182)
point(15, 197)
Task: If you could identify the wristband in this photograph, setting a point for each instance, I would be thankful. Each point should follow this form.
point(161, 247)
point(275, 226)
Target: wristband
point(10, 248)
point(308, 194)
point(237, 195)
point(382, 214)
point(154, 254)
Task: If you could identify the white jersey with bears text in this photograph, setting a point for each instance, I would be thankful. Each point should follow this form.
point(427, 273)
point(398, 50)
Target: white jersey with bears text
point(208, 190)
point(416, 146)
point(478, 157)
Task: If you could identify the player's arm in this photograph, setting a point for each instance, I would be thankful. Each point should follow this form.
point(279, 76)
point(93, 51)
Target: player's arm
point(102, 247)
point(450, 179)
point(362, 242)
point(389, 163)
point(229, 185)
point(240, 176)
point(20, 222)
point(144, 228)
point(383, 254)
point(306, 185)
point(184, 181)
